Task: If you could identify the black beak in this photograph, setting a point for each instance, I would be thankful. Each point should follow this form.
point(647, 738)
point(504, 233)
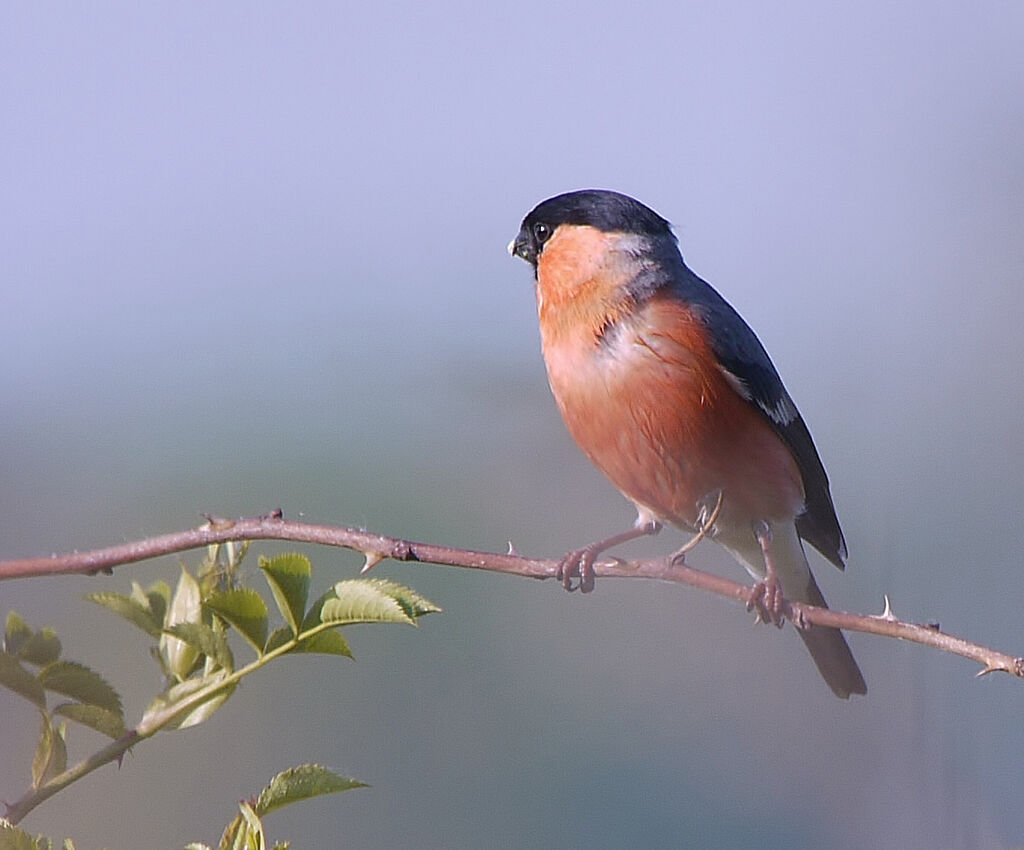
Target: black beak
point(522, 247)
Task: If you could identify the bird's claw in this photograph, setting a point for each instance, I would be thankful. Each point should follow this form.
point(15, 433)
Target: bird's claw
point(767, 601)
point(579, 563)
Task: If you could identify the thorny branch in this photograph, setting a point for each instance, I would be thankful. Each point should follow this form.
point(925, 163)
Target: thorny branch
point(377, 547)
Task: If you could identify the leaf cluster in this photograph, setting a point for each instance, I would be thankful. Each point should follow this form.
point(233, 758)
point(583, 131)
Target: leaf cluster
point(31, 665)
point(191, 627)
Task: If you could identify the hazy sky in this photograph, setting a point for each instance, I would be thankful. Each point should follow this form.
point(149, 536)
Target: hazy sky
point(254, 254)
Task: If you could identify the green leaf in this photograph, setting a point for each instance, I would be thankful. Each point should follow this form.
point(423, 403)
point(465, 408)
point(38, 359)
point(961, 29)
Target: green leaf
point(312, 617)
point(278, 637)
point(16, 678)
point(288, 576)
point(79, 682)
point(16, 633)
point(234, 835)
point(185, 607)
point(157, 598)
point(209, 641)
point(412, 603)
point(13, 838)
point(363, 604)
point(255, 826)
point(130, 608)
point(182, 691)
point(196, 845)
point(329, 642)
point(302, 783)
point(108, 723)
point(245, 832)
point(44, 753)
point(245, 609)
point(374, 601)
point(51, 755)
point(41, 649)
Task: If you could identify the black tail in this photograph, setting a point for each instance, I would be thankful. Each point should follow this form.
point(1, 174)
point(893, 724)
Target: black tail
point(831, 653)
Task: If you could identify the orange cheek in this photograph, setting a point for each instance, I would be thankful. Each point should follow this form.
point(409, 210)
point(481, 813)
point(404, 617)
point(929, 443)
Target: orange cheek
point(580, 261)
point(582, 286)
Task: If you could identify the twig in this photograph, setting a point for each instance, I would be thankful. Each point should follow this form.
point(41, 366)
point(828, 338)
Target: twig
point(378, 547)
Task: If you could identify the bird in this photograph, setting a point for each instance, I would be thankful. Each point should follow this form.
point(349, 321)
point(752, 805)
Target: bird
point(669, 393)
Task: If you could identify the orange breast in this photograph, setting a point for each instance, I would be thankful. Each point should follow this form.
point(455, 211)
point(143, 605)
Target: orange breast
point(642, 394)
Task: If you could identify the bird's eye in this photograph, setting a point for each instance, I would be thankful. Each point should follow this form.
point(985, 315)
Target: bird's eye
point(541, 232)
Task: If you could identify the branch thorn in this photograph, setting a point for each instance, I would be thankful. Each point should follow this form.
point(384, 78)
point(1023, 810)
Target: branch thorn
point(887, 613)
point(372, 559)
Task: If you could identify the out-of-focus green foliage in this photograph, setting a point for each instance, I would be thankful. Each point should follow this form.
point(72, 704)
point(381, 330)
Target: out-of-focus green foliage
point(192, 628)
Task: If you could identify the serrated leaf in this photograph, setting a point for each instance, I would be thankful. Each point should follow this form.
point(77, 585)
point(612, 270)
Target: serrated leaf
point(156, 598)
point(14, 838)
point(59, 762)
point(16, 678)
point(186, 607)
point(79, 682)
point(16, 633)
point(278, 637)
point(158, 594)
point(139, 595)
point(51, 756)
point(361, 601)
point(106, 722)
point(43, 753)
point(329, 642)
point(412, 603)
point(288, 577)
point(245, 609)
point(131, 609)
point(182, 691)
point(41, 649)
point(302, 783)
point(209, 641)
point(312, 617)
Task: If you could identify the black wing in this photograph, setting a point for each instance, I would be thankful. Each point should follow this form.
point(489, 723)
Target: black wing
point(752, 374)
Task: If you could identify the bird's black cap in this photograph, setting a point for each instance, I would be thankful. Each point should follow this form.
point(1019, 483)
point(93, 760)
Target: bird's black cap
point(609, 212)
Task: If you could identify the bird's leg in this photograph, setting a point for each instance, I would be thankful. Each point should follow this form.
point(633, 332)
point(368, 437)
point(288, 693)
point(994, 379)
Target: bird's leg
point(766, 596)
point(708, 510)
point(580, 562)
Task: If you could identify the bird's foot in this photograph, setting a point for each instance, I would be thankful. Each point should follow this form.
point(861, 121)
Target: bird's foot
point(766, 596)
point(767, 601)
point(579, 563)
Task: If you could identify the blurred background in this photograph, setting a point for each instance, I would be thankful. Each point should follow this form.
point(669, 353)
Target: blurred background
point(253, 256)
